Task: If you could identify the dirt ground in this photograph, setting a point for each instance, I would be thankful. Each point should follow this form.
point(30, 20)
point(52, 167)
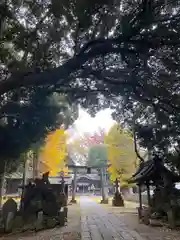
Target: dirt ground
point(69, 232)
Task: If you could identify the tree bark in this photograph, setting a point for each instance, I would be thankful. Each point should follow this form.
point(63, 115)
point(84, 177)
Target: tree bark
point(2, 180)
point(136, 150)
point(24, 180)
point(1, 192)
point(116, 185)
point(140, 197)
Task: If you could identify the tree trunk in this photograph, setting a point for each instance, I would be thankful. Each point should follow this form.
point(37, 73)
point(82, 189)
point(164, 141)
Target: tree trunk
point(140, 197)
point(148, 194)
point(2, 178)
point(1, 192)
point(35, 164)
point(24, 181)
point(117, 199)
point(2, 181)
point(74, 186)
point(25, 172)
point(63, 184)
point(116, 185)
point(135, 148)
point(134, 138)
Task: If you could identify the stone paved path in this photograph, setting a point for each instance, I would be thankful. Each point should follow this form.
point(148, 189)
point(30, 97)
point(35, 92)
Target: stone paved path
point(100, 223)
point(92, 221)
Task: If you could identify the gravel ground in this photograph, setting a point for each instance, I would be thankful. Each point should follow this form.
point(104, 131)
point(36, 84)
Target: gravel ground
point(69, 232)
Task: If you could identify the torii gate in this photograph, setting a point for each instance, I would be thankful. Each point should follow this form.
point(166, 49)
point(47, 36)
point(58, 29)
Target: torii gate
point(101, 169)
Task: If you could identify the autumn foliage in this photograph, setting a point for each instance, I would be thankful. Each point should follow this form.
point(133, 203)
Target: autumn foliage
point(54, 153)
point(81, 145)
point(121, 154)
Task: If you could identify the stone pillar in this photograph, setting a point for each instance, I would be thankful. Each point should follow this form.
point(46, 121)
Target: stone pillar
point(104, 196)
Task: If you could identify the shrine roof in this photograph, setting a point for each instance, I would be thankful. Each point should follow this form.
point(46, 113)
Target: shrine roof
point(151, 170)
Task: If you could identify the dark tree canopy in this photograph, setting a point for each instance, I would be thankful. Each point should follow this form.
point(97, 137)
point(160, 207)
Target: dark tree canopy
point(123, 54)
point(28, 123)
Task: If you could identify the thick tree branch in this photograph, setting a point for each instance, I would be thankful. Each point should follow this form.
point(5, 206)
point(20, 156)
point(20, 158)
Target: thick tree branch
point(135, 148)
point(80, 91)
point(59, 75)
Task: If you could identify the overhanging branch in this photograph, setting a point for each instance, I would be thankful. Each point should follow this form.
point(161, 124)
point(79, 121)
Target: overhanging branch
point(79, 91)
point(60, 73)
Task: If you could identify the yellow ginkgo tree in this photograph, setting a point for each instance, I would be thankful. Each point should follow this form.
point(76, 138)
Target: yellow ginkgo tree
point(121, 155)
point(54, 153)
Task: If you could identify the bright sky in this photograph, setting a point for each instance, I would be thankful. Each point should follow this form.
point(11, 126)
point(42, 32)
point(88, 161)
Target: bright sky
point(85, 123)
